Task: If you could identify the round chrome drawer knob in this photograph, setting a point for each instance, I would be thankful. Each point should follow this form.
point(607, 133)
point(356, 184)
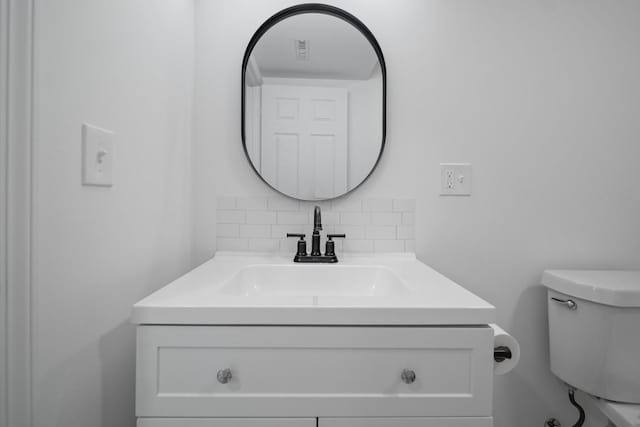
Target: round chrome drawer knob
point(224, 375)
point(408, 376)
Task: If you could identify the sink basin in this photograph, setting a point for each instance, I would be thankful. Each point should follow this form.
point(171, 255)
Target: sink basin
point(314, 280)
point(236, 288)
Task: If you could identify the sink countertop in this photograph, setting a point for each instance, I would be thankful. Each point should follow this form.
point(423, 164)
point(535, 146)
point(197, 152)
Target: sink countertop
point(195, 298)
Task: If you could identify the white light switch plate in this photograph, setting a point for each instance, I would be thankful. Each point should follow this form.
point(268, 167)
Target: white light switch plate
point(97, 156)
point(455, 179)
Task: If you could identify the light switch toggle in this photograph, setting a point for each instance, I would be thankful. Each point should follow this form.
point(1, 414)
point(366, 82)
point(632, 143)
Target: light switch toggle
point(101, 154)
point(97, 156)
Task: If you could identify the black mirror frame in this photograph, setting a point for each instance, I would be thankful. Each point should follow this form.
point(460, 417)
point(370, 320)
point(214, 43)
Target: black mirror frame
point(327, 10)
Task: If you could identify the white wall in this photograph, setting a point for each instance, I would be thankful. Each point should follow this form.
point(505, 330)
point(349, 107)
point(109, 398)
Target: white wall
point(4, 185)
point(542, 98)
point(127, 66)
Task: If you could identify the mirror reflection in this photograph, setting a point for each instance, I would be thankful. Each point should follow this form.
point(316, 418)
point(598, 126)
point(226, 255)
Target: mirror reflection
point(313, 106)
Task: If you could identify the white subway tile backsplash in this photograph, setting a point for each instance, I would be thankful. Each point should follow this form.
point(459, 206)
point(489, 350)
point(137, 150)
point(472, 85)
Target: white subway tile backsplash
point(293, 218)
point(377, 205)
point(404, 205)
point(375, 232)
point(347, 205)
point(280, 231)
point(228, 230)
point(406, 232)
point(231, 216)
point(333, 218)
point(261, 223)
point(388, 246)
point(330, 229)
point(352, 231)
point(350, 245)
point(408, 218)
point(227, 244)
point(254, 231)
point(261, 217)
point(355, 218)
point(328, 218)
point(409, 245)
point(264, 245)
point(288, 246)
point(386, 218)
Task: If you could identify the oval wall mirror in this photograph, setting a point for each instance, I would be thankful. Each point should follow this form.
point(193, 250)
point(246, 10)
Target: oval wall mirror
point(313, 102)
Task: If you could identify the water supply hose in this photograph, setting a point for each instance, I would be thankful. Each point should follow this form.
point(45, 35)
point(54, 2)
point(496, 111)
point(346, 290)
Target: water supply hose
point(572, 399)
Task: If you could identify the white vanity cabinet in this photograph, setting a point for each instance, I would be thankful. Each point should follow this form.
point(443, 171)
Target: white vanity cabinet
point(327, 352)
point(271, 372)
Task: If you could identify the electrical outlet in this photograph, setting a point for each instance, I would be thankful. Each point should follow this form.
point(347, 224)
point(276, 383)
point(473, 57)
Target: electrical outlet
point(455, 179)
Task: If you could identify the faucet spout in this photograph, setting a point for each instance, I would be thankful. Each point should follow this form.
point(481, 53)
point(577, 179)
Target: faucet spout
point(317, 221)
point(316, 255)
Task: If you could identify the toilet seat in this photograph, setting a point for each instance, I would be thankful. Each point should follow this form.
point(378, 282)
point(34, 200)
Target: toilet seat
point(620, 414)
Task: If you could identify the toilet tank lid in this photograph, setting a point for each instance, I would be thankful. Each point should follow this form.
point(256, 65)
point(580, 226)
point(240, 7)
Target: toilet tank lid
point(619, 288)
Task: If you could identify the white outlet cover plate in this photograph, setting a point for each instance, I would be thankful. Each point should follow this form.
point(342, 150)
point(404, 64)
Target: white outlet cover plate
point(455, 179)
point(97, 156)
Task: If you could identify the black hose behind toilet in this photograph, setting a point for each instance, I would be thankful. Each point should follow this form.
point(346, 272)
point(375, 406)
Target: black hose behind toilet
point(572, 399)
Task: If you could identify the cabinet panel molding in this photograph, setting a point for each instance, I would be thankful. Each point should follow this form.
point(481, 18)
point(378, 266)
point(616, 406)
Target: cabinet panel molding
point(226, 422)
point(314, 371)
point(407, 422)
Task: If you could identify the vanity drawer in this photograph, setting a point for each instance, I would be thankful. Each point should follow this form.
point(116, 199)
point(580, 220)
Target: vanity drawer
point(322, 422)
point(294, 371)
point(407, 422)
point(227, 422)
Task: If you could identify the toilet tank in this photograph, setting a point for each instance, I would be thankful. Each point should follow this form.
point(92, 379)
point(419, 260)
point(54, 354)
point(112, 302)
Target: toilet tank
point(595, 344)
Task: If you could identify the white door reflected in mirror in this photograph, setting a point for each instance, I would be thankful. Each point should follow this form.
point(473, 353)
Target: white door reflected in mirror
point(305, 140)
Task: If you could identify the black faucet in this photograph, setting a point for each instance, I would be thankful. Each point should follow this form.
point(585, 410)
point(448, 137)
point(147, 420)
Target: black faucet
point(316, 256)
point(315, 237)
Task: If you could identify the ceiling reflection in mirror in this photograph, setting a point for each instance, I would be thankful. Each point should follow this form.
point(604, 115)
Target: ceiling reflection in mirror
point(313, 105)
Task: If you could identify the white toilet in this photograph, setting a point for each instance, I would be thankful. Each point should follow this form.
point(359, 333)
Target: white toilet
point(594, 337)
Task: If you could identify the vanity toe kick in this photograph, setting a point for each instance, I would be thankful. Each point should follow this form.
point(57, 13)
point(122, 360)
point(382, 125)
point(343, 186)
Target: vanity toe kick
point(314, 371)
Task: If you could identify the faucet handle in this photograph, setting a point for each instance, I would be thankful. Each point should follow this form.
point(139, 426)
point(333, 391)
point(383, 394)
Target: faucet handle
point(336, 236)
point(302, 245)
point(330, 247)
point(299, 235)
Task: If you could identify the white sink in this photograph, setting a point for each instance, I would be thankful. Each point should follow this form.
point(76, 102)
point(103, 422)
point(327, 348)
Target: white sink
point(314, 280)
point(236, 288)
